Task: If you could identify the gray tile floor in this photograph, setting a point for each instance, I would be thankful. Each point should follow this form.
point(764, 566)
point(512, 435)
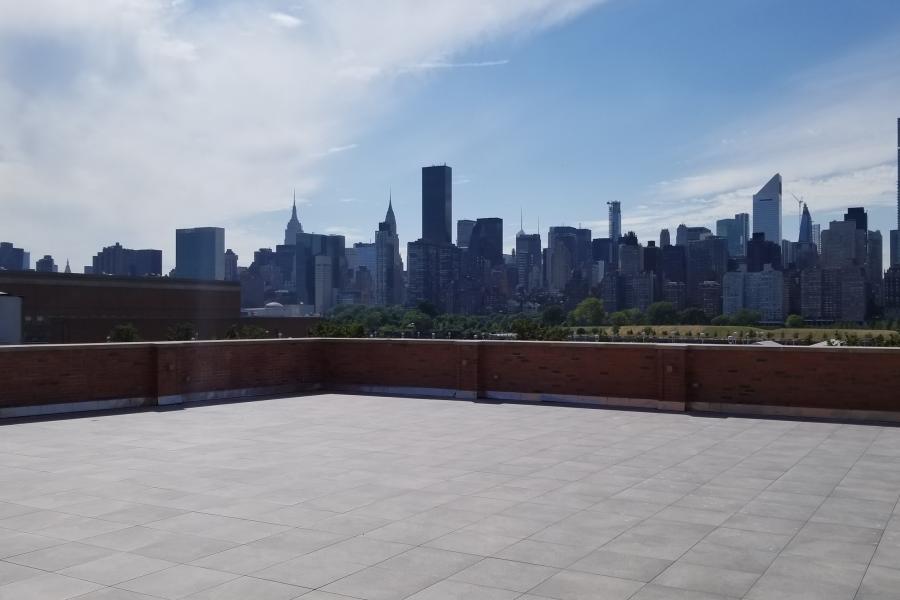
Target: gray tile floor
point(336, 496)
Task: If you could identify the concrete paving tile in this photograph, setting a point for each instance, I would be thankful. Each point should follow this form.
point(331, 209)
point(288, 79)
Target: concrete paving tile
point(505, 574)
point(543, 553)
point(245, 559)
point(111, 593)
point(653, 538)
point(311, 571)
point(229, 529)
point(713, 580)
point(13, 543)
point(823, 549)
point(473, 542)
point(624, 566)
point(46, 586)
point(182, 548)
point(10, 573)
point(735, 557)
point(440, 563)
point(116, 568)
point(250, 588)
point(879, 583)
point(59, 557)
point(764, 524)
point(660, 592)
point(376, 583)
point(177, 582)
point(575, 585)
point(460, 590)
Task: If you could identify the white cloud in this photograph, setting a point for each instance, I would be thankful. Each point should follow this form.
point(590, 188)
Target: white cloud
point(124, 119)
point(832, 137)
point(286, 20)
point(459, 65)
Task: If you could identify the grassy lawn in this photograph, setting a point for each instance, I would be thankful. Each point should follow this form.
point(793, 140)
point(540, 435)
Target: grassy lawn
point(722, 331)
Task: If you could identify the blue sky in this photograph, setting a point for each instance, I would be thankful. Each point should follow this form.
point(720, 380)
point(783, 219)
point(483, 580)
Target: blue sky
point(184, 114)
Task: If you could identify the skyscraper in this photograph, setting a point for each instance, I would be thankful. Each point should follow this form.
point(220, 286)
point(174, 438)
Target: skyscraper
point(314, 285)
point(843, 245)
point(762, 291)
point(762, 252)
point(858, 215)
point(742, 223)
point(200, 253)
point(806, 227)
point(116, 260)
point(685, 234)
point(486, 242)
point(45, 265)
point(767, 210)
point(562, 253)
point(433, 274)
point(630, 255)
point(528, 260)
point(12, 258)
point(615, 230)
point(707, 261)
point(736, 231)
point(464, 229)
point(231, 266)
point(388, 264)
point(895, 234)
point(437, 204)
point(600, 250)
point(293, 227)
point(664, 238)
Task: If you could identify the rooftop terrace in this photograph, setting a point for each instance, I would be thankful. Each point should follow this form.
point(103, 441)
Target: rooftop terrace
point(329, 497)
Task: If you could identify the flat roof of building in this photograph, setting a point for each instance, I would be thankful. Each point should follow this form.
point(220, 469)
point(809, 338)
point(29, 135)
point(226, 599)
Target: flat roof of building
point(77, 279)
point(387, 498)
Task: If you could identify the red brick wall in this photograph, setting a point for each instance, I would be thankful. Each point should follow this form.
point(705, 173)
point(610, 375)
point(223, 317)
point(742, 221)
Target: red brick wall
point(396, 363)
point(570, 368)
point(34, 375)
point(187, 367)
point(826, 378)
point(866, 379)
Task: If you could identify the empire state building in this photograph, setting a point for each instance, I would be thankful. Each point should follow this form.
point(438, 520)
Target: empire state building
point(293, 227)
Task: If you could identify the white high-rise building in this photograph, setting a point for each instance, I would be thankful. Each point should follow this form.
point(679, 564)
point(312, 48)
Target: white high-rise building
point(767, 210)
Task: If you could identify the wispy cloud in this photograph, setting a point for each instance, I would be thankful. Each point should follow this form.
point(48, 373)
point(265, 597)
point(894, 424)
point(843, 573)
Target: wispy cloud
point(286, 20)
point(831, 137)
point(134, 117)
point(338, 149)
point(459, 65)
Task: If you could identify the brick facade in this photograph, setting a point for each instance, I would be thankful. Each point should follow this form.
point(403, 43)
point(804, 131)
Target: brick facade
point(862, 383)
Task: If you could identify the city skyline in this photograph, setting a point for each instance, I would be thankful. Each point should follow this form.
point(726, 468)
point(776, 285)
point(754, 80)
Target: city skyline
point(822, 116)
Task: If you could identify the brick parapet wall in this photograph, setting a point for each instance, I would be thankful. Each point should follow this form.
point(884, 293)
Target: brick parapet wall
point(859, 383)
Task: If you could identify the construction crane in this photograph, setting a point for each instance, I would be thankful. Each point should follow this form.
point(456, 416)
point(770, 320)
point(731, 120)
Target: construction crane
point(800, 203)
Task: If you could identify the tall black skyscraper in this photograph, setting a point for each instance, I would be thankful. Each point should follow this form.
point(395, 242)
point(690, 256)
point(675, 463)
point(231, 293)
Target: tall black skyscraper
point(437, 204)
point(806, 236)
point(486, 241)
point(858, 215)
